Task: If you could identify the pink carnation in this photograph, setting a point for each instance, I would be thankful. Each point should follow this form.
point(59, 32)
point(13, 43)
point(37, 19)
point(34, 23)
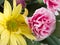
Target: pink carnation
point(42, 23)
point(53, 5)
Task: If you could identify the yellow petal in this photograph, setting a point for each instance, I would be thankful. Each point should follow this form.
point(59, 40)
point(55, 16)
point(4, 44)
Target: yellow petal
point(1, 29)
point(5, 37)
point(18, 41)
point(25, 13)
point(20, 18)
point(14, 3)
point(2, 18)
point(29, 36)
point(13, 39)
point(24, 28)
point(7, 9)
point(17, 10)
point(21, 40)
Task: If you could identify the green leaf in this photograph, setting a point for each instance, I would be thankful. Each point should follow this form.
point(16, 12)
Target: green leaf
point(1, 1)
point(52, 40)
point(55, 39)
point(57, 30)
point(40, 1)
point(37, 43)
point(30, 42)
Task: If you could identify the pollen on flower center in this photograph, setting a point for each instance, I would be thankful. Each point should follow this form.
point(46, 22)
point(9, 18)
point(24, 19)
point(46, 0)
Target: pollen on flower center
point(12, 25)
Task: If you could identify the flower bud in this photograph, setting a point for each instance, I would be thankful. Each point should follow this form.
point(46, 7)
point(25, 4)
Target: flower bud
point(21, 2)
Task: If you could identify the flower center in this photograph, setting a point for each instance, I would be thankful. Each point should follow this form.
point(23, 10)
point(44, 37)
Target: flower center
point(12, 25)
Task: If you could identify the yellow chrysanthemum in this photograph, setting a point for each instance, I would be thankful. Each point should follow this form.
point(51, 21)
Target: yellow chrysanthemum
point(13, 25)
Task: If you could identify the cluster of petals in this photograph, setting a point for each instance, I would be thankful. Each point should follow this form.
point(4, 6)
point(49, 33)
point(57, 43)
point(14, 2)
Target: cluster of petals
point(53, 5)
point(42, 23)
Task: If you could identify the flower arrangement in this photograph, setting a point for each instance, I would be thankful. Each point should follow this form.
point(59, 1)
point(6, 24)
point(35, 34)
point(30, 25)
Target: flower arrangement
point(29, 22)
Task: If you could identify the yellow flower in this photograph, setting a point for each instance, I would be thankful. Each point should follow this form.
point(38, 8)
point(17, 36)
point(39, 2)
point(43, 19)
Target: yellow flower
point(13, 25)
